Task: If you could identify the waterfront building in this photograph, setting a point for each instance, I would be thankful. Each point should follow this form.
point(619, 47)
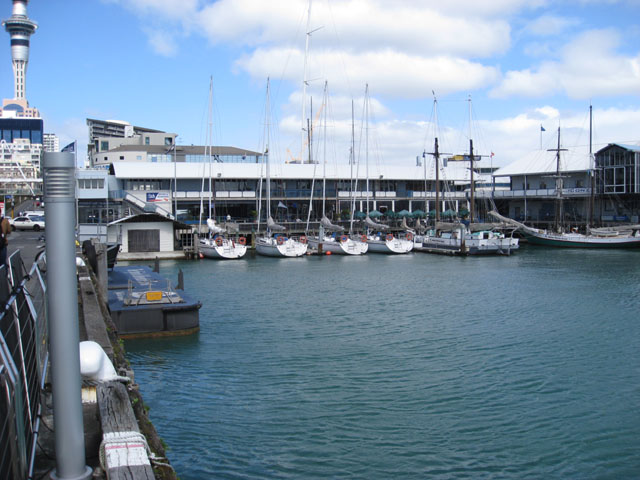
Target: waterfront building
point(617, 180)
point(532, 194)
point(108, 138)
point(21, 126)
point(51, 142)
point(181, 189)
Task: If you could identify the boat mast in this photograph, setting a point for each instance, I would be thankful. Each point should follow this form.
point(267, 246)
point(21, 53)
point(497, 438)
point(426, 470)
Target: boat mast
point(471, 200)
point(210, 138)
point(305, 82)
point(436, 156)
point(324, 148)
point(470, 166)
point(591, 168)
point(352, 161)
point(366, 137)
point(559, 211)
point(266, 155)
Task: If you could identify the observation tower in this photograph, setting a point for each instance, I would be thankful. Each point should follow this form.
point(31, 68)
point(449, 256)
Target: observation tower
point(20, 27)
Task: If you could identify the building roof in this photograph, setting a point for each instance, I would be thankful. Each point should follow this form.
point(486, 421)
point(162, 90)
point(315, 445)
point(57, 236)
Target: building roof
point(541, 162)
point(184, 150)
point(631, 148)
point(455, 171)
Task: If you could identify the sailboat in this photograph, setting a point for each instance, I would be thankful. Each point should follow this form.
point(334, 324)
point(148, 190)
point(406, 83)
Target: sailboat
point(217, 244)
point(339, 243)
point(378, 239)
point(627, 236)
point(274, 243)
point(460, 238)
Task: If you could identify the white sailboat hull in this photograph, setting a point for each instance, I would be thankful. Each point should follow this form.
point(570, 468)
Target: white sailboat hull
point(577, 240)
point(270, 247)
point(338, 247)
point(227, 250)
point(392, 246)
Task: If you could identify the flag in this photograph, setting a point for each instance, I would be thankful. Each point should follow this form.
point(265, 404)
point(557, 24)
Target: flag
point(282, 205)
point(492, 154)
point(542, 129)
point(71, 148)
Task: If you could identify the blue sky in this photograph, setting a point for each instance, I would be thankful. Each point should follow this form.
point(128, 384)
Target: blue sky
point(524, 63)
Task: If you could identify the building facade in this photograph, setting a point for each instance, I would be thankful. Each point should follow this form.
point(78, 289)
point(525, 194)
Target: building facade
point(21, 126)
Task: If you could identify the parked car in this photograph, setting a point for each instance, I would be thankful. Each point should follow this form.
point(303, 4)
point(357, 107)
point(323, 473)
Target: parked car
point(31, 222)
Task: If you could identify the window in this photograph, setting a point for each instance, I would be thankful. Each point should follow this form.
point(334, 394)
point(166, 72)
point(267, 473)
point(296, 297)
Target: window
point(121, 157)
point(139, 157)
point(104, 145)
point(147, 141)
point(168, 141)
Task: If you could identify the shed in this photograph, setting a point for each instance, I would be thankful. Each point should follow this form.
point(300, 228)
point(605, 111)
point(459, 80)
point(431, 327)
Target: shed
point(146, 233)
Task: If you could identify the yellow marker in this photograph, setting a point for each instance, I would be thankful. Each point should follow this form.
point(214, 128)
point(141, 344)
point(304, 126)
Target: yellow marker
point(154, 296)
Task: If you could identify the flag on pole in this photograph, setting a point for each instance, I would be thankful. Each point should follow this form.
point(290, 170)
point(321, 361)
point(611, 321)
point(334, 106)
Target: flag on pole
point(282, 205)
point(71, 148)
point(542, 129)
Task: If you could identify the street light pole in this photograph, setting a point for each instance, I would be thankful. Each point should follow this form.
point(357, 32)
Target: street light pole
point(62, 312)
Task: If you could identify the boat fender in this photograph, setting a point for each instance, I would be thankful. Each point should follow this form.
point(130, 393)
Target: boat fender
point(389, 237)
point(242, 241)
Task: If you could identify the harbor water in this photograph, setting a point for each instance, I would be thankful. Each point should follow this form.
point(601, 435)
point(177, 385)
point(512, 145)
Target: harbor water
point(412, 366)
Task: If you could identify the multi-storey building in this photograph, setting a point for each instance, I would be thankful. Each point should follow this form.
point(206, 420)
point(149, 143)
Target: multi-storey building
point(21, 127)
point(51, 143)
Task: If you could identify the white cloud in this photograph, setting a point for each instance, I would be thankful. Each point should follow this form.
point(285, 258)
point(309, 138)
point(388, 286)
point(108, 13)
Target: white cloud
point(396, 73)
point(547, 25)
point(162, 42)
point(356, 25)
point(589, 66)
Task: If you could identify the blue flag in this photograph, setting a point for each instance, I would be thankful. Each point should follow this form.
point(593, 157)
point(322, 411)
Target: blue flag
point(542, 129)
point(71, 148)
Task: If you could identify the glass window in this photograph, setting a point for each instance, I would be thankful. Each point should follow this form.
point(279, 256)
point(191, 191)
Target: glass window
point(147, 141)
point(104, 145)
point(167, 141)
point(36, 136)
point(139, 157)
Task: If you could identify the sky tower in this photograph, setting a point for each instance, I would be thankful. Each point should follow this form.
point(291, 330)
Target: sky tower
point(20, 27)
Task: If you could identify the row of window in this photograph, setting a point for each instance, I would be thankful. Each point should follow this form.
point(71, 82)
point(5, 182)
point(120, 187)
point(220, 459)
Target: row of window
point(9, 135)
point(90, 183)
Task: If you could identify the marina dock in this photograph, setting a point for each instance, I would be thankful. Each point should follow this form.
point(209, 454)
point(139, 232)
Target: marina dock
point(115, 418)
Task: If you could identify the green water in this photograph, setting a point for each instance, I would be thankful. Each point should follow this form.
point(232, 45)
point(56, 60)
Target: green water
point(411, 367)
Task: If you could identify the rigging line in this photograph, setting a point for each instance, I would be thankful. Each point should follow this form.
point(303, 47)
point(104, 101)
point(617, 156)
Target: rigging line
point(340, 54)
point(275, 95)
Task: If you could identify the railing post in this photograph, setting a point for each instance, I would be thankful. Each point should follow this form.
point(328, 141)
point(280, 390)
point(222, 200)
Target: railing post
point(62, 307)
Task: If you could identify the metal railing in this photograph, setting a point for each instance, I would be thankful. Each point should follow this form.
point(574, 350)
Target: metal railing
point(23, 362)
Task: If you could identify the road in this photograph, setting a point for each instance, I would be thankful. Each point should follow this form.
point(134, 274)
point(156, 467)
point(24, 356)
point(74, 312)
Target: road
point(28, 242)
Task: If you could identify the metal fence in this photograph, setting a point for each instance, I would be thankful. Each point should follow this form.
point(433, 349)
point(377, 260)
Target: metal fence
point(23, 361)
